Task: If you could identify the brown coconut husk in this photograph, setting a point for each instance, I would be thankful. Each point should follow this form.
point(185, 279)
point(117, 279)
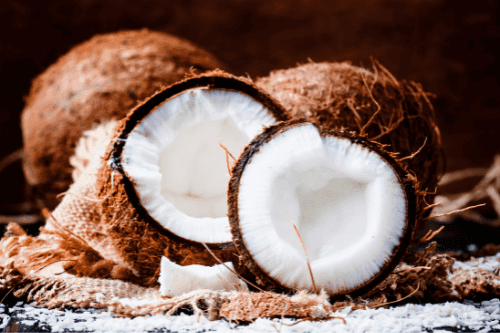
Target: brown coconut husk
point(372, 103)
point(136, 236)
point(407, 182)
point(100, 79)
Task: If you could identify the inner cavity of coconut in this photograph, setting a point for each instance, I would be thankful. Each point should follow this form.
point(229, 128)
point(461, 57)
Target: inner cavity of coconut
point(194, 169)
point(177, 166)
point(345, 200)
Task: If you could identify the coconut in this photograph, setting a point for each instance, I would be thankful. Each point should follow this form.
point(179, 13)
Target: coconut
point(370, 102)
point(313, 208)
point(100, 79)
point(162, 188)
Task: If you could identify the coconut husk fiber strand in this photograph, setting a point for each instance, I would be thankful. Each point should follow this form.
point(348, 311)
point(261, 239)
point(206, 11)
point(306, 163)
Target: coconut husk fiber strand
point(424, 276)
point(486, 192)
point(370, 102)
point(98, 80)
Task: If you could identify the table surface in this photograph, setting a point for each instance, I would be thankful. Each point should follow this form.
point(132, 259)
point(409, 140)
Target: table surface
point(445, 317)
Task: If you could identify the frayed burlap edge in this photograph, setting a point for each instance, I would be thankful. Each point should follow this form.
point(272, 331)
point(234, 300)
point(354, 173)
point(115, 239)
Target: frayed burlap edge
point(424, 276)
point(112, 296)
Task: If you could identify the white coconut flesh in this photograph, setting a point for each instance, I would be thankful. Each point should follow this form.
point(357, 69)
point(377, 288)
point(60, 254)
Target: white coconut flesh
point(176, 280)
point(177, 166)
point(346, 201)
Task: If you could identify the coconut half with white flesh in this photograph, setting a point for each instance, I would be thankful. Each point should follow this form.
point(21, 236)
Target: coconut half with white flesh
point(163, 186)
point(351, 202)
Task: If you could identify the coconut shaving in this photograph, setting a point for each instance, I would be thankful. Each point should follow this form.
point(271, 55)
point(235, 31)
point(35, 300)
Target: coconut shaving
point(421, 276)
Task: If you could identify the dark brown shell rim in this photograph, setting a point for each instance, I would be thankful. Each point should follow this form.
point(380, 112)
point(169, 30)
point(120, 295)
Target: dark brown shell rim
point(211, 80)
point(254, 147)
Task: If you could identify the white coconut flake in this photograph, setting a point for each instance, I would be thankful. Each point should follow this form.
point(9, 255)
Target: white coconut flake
point(4, 320)
point(490, 263)
point(479, 317)
point(134, 302)
point(29, 322)
point(98, 297)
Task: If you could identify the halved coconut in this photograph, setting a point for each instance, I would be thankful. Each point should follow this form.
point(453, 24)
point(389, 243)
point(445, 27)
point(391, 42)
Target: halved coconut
point(98, 80)
point(163, 186)
point(352, 203)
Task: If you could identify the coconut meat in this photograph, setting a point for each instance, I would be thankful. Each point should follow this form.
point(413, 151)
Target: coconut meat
point(176, 280)
point(345, 200)
point(177, 166)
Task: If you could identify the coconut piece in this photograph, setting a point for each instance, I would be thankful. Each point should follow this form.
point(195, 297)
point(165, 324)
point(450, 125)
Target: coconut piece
point(353, 205)
point(176, 280)
point(372, 102)
point(162, 188)
point(100, 79)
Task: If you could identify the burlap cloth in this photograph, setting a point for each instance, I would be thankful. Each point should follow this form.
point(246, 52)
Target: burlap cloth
point(72, 264)
point(425, 276)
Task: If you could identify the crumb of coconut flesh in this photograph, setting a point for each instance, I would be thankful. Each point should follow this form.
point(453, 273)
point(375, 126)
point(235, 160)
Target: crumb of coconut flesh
point(484, 317)
point(176, 280)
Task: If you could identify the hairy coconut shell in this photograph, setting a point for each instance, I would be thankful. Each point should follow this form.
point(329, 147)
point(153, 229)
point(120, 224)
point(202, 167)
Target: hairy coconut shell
point(407, 181)
point(373, 104)
point(100, 79)
point(140, 239)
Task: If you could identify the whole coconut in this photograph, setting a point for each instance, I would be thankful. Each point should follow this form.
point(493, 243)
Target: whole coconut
point(98, 80)
point(373, 103)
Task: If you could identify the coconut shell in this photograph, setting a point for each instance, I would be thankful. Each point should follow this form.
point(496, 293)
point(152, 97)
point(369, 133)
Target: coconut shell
point(407, 181)
point(140, 239)
point(371, 103)
point(100, 79)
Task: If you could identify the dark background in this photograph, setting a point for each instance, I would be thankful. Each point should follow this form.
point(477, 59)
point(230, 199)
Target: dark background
point(451, 47)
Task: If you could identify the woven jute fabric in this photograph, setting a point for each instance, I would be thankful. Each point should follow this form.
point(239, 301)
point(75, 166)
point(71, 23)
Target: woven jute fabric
point(78, 215)
point(77, 211)
point(73, 233)
point(423, 276)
